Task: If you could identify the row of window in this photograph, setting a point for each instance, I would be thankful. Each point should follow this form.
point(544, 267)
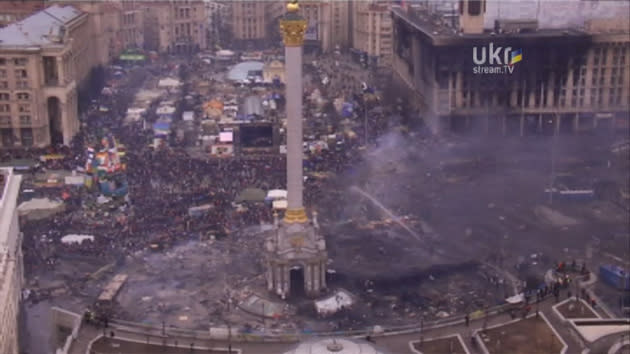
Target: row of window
point(6, 135)
point(22, 96)
point(184, 12)
point(19, 74)
point(597, 98)
point(129, 19)
point(22, 108)
point(601, 54)
point(24, 120)
point(15, 61)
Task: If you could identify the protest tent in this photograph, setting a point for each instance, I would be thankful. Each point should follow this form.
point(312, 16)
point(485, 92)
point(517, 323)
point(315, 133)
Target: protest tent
point(277, 194)
point(251, 195)
point(169, 83)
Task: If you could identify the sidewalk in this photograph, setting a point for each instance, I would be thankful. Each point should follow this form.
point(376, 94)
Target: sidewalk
point(400, 343)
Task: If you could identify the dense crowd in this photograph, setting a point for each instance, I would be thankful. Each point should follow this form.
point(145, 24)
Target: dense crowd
point(165, 183)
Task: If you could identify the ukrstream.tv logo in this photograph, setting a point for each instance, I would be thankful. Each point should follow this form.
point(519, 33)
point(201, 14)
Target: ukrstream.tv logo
point(488, 59)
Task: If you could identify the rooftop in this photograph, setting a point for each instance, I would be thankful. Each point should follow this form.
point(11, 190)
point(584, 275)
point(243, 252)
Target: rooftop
point(438, 29)
point(43, 28)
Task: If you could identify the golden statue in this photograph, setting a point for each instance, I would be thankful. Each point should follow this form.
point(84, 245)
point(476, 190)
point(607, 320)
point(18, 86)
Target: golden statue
point(293, 26)
point(293, 6)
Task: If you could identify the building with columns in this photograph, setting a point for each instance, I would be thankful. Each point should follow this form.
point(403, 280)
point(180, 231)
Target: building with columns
point(372, 31)
point(249, 20)
point(573, 74)
point(295, 244)
point(16, 10)
point(43, 60)
point(105, 19)
point(174, 26)
point(11, 262)
point(131, 25)
point(328, 25)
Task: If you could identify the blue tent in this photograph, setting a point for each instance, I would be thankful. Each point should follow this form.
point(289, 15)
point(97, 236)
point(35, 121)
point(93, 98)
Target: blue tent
point(346, 110)
point(161, 128)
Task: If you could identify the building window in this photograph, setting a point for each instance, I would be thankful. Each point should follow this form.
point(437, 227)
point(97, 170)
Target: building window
point(21, 84)
point(25, 120)
point(474, 7)
point(24, 108)
point(27, 136)
point(5, 108)
point(3, 61)
point(4, 84)
point(20, 61)
point(3, 73)
point(21, 73)
point(23, 96)
point(5, 120)
point(4, 96)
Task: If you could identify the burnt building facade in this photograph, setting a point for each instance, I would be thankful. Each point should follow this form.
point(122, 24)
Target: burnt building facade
point(517, 78)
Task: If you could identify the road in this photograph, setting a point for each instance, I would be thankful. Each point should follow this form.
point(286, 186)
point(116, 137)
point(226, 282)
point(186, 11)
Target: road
point(394, 343)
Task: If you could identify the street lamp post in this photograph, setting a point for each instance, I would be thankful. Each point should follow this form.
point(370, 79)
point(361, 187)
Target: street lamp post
point(553, 157)
point(365, 120)
point(229, 325)
point(421, 331)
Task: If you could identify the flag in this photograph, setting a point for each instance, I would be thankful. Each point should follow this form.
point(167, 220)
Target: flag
point(90, 159)
point(516, 56)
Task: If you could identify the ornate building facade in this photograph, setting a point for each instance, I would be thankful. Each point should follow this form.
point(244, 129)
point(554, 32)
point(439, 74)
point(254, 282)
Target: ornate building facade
point(43, 60)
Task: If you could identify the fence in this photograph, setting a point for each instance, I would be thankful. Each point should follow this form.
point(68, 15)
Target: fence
point(67, 319)
point(239, 335)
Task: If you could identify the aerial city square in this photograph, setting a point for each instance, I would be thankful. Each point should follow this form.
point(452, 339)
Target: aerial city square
point(314, 176)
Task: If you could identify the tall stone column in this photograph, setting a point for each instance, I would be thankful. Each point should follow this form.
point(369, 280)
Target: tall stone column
point(308, 280)
point(293, 27)
point(316, 277)
point(270, 276)
point(293, 57)
point(286, 273)
point(322, 274)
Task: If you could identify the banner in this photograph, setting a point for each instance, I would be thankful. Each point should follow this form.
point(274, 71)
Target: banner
point(311, 32)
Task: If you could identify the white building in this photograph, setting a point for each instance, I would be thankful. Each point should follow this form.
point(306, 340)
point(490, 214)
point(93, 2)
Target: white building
point(11, 266)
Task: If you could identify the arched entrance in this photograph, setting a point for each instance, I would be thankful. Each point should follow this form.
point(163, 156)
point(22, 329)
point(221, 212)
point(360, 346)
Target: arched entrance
point(296, 278)
point(55, 125)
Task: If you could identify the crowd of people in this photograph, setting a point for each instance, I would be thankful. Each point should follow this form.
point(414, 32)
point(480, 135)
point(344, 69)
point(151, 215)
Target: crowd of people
point(164, 183)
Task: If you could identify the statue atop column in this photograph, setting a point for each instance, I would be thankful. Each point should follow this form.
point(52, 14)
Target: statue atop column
point(295, 241)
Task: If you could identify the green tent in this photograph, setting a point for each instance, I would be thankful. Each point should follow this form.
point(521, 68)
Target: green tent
point(251, 195)
point(132, 57)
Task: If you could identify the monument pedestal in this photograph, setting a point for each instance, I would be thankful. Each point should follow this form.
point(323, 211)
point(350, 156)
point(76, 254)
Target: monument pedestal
point(295, 244)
